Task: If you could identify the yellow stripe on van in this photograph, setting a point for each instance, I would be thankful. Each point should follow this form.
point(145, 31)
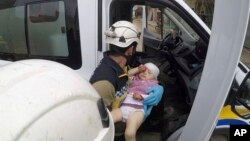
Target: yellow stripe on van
point(226, 113)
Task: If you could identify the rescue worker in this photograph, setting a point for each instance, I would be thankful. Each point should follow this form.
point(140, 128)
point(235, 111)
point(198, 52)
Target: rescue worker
point(110, 77)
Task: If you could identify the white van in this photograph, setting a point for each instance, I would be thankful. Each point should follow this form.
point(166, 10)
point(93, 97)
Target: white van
point(71, 32)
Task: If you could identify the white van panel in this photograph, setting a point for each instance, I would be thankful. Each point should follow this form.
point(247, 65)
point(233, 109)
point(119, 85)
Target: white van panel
point(88, 30)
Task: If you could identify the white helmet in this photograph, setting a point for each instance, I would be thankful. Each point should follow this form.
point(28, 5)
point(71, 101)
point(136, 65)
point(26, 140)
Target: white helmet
point(122, 34)
point(44, 100)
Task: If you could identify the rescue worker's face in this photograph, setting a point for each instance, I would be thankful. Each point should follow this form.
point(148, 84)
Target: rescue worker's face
point(130, 51)
point(146, 75)
point(130, 54)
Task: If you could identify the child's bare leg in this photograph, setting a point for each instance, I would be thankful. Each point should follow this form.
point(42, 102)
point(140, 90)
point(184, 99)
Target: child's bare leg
point(116, 114)
point(134, 121)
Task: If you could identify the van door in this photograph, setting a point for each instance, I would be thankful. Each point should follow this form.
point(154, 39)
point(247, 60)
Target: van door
point(32, 29)
point(47, 29)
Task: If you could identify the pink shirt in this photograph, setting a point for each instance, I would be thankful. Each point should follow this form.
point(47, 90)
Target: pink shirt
point(140, 86)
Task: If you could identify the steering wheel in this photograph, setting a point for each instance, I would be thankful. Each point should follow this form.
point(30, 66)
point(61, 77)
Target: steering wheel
point(164, 43)
point(169, 42)
point(178, 41)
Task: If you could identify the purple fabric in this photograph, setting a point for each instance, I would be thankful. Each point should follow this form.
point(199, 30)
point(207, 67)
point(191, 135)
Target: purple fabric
point(138, 85)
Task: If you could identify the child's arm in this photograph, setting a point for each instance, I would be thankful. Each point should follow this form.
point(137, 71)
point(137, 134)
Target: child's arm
point(138, 96)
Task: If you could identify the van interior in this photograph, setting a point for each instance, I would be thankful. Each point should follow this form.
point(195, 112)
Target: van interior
point(170, 41)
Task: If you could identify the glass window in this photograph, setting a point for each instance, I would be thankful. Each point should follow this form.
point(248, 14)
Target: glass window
point(204, 9)
point(138, 22)
point(46, 30)
point(40, 29)
point(168, 25)
point(154, 21)
point(45, 12)
point(162, 21)
point(12, 31)
point(174, 23)
point(245, 56)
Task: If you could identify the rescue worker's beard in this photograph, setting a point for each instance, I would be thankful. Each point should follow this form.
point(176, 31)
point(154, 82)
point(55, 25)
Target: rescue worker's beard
point(130, 58)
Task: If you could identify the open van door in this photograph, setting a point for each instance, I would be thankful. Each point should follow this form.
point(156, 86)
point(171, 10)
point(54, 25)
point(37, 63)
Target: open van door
point(225, 44)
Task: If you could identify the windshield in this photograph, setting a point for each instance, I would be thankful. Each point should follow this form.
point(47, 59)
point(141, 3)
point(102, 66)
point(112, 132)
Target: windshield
point(205, 11)
point(178, 24)
point(245, 56)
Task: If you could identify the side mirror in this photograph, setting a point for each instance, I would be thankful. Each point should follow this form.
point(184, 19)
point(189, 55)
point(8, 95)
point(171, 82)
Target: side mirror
point(241, 99)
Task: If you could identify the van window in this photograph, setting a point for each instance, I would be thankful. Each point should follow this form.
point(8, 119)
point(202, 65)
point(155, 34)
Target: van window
point(204, 9)
point(137, 21)
point(162, 21)
point(46, 29)
point(154, 21)
point(44, 12)
point(12, 31)
point(40, 30)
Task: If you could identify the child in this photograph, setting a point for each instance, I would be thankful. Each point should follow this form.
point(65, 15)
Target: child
point(132, 109)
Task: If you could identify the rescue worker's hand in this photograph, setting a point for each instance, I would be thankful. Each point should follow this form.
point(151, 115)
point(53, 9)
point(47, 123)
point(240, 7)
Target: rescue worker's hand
point(155, 95)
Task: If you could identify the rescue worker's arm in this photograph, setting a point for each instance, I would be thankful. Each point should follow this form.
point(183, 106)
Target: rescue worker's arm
point(133, 71)
point(106, 90)
point(155, 95)
point(136, 70)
